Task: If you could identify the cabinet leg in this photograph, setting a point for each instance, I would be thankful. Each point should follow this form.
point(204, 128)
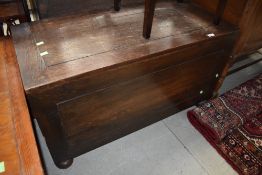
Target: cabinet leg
point(117, 5)
point(148, 17)
point(64, 164)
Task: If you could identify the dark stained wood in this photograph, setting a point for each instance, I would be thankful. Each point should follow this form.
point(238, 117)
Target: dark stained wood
point(61, 8)
point(1, 29)
point(250, 26)
point(117, 5)
point(65, 164)
point(120, 110)
point(18, 146)
point(26, 10)
point(139, 89)
point(13, 10)
point(102, 80)
point(233, 10)
point(10, 9)
point(150, 9)
point(148, 17)
point(220, 11)
point(247, 15)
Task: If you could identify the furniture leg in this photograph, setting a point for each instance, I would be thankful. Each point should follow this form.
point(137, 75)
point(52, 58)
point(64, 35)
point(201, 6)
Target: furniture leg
point(1, 29)
point(220, 11)
point(117, 5)
point(26, 10)
point(148, 17)
point(64, 164)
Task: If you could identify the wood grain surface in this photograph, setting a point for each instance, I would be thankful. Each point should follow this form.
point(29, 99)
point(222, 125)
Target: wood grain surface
point(93, 78)
point(247, 16)
point(18, 146)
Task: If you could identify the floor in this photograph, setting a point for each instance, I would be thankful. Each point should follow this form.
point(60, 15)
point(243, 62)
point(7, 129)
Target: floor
point(169, 147)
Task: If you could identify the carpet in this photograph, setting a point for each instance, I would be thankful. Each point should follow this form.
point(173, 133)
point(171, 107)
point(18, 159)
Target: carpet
point(232, 124)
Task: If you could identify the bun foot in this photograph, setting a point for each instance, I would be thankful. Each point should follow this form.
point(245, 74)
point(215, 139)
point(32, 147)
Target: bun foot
point(64, 164)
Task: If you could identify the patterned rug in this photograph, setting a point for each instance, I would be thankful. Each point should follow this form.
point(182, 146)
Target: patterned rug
point(232, 123)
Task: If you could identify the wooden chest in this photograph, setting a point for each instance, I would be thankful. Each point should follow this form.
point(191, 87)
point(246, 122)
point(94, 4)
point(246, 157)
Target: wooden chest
point(92, 79)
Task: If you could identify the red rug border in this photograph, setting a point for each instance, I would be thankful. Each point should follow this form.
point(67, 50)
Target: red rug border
point(197, 125)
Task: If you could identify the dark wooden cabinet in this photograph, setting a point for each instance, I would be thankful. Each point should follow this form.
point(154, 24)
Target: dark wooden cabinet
point(94, 79)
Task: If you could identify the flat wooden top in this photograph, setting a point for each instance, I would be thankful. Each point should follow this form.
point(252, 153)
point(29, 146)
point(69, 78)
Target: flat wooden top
point(18, 150)
point(85, 44)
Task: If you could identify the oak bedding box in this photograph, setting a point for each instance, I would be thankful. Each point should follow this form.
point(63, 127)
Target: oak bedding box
point(91, 79)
